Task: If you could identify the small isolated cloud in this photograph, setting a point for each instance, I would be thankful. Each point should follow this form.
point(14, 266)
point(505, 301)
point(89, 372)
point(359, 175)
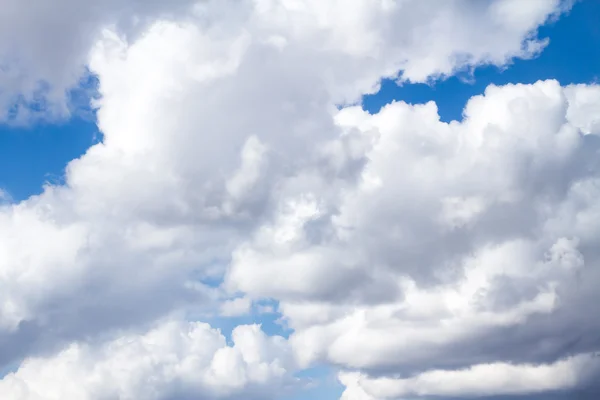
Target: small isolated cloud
point(236, 307)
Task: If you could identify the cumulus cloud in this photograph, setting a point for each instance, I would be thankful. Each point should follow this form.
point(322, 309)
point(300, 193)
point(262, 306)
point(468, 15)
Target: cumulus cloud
point(201, 120)
point(460, 244)
point(479, 380)
point(44, 49)
point(391, 242)
point(173, 360)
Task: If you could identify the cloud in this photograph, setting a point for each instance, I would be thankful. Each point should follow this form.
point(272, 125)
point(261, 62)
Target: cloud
point(196, 142)
point(44, 49)
point(392, 241)
point(49, 44)
point(459, 244)
point(175, 359)
point(236, 307)
point(479, 380)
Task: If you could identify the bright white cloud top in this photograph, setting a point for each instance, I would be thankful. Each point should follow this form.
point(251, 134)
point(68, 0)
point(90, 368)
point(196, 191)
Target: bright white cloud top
point(174, 360)
point(417, 258)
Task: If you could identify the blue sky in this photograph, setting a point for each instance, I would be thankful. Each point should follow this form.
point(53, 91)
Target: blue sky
point(36, 154)
point(31, 156)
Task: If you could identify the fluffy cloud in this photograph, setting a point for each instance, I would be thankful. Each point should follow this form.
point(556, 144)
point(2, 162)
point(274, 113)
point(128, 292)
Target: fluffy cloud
point(173, 360)
point(459, 244)
point(479, 380)
point(64, 277)
point(201, 123)
point(44, 49)
point(236, 307)
point(391, 241)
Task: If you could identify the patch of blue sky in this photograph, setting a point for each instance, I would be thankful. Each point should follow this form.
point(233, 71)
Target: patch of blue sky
point(34, 154)
point(319, 383)
point(9, 369)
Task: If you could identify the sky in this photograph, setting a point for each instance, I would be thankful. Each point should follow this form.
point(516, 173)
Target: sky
point(299, 199)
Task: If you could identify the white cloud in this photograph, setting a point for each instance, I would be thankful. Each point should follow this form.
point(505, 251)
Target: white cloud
point(44, 49)
point(173, 360)
point(176, 164)
point(583, 100)
point(379, 275)
point(479, 380)
point(236, 307)
point(391, 241)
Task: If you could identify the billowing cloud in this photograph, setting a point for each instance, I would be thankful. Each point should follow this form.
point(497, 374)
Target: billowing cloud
point(173, 360)
point(44, 49)
point(479, 380)
point(392, 242)
point(459, 244)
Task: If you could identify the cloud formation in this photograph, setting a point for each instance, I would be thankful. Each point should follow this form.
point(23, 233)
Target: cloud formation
point(460, 244)
point(477, 381)
point(173, 360)
point(413, 255)
point(45, 49)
